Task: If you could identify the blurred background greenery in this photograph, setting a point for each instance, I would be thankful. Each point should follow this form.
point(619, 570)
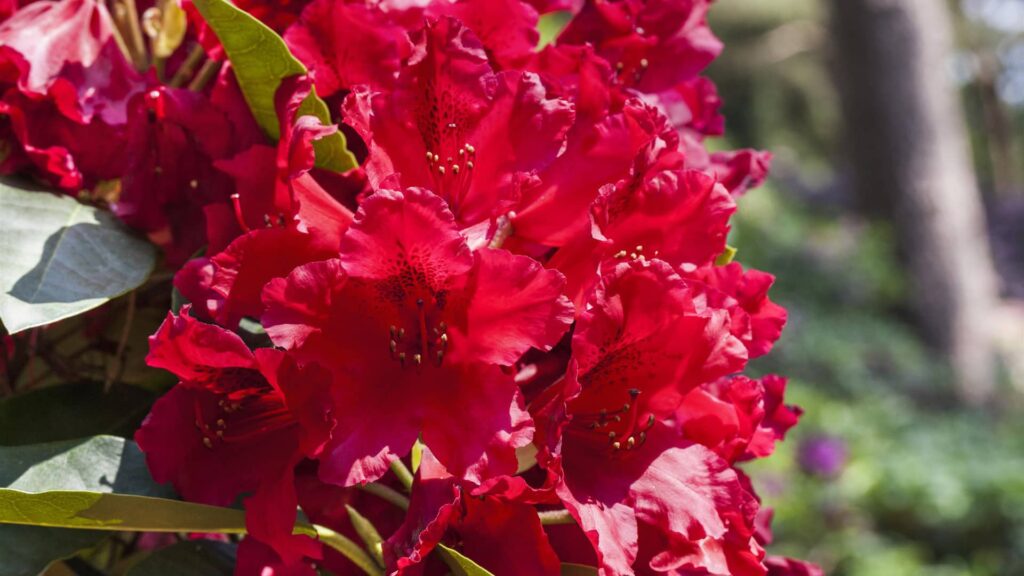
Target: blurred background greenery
point(891, 472)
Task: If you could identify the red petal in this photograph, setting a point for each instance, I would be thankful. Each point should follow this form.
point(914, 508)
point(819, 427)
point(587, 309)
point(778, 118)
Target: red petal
point(192, 349)
point(346, 45)
point(508, 28)
point(407, 232)
point(480, 441)
point(516, 304)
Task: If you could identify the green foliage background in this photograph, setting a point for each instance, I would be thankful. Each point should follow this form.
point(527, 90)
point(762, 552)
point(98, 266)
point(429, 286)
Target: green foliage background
point(929, 488)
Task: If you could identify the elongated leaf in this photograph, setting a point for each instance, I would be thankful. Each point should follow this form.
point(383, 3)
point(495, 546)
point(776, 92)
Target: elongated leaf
point(261, 60)
point(196, 558)
point(72, 411)
point(59, 258)
point(103, 464)
point(459, 564)
point(119, 512)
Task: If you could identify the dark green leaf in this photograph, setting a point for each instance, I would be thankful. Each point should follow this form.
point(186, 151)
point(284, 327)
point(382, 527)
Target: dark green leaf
point(28, 550)
point(59, 258)
point(72, 411)
point(261, 60)
point(196, 558)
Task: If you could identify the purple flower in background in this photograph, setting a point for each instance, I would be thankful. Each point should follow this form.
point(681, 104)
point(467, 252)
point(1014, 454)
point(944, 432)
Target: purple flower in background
point(823, 456)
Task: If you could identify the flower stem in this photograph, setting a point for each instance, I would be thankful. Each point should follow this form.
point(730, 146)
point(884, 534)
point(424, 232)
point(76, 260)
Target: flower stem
point(387, 493)
point(403, 474)
point(553, 517)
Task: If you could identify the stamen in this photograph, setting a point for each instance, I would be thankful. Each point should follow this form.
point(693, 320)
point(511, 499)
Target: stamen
point(236, 203)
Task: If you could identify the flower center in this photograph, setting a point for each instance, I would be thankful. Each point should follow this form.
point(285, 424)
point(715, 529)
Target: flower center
point(423, 340)
point(242, 420)
point(618, 429)
point(451, 165)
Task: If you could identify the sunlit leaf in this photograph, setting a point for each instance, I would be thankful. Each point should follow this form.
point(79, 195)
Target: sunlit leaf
point(261, 60)
point(551, 25)
point(59, 258)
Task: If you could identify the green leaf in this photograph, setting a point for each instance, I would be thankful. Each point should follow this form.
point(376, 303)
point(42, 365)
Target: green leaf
point(550, 25)
point(118, 512)
point(726, 256)
point(459, 564)
point(59, 258)
point(28, 550)
point(195, 558)
point(72, 485)
point(261, 60)
point(578, 570)
point(100, 464)
point(103, 463)
point(72, 411)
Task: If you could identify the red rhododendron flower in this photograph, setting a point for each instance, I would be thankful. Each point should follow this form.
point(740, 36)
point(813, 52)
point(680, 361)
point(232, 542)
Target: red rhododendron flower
point(778, 566)
point(67, 87)
point(288, 218)
point(497, 526)
point(426, 298)
point(755, 319)
point(347, 44)
point(555, 207)
point(653, 44)
point(506, 28)
point(414, 326)
point(458, 128)
point(238, 422)
point(741, 170)
point(678, 216)
point(175, 137)
point(739, 418)
point(639, 347)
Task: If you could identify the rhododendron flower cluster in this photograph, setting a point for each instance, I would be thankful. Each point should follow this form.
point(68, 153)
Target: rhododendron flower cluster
point(522, 295)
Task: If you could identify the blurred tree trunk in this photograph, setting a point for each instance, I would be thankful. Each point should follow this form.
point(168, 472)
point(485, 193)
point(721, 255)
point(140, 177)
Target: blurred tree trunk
point(908, 150)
